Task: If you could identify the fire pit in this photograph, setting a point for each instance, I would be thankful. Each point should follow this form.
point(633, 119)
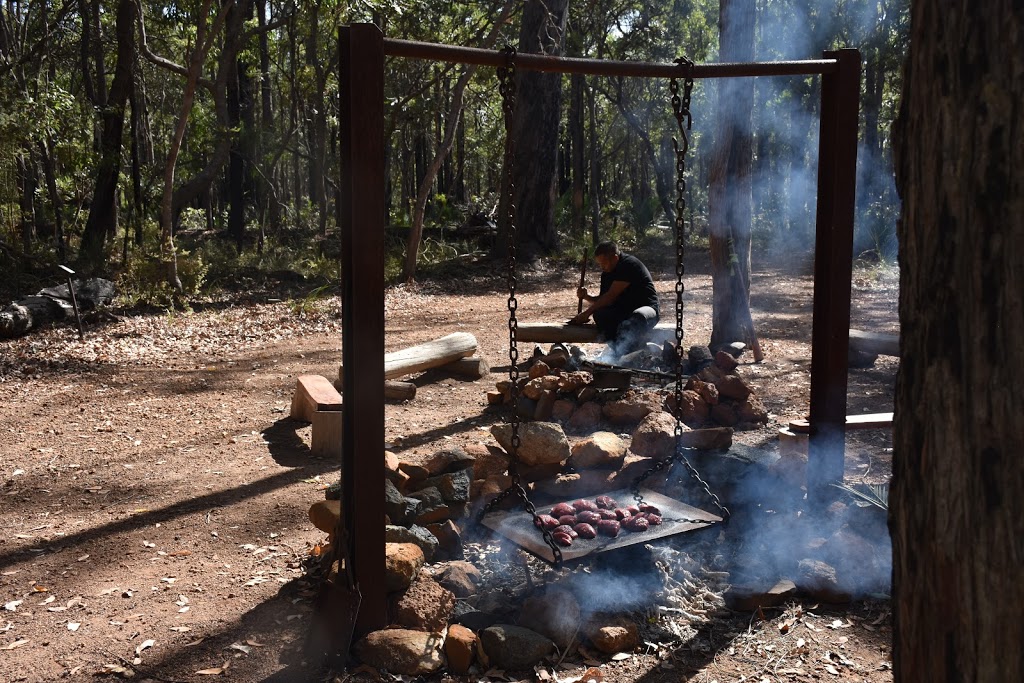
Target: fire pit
point(677, 517)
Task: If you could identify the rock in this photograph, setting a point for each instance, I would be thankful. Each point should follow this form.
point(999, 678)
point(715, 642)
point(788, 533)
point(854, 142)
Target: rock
point(416, 472)
point(726, 361)
point(539, 369)
point(540, 442)
point(635, 359)
point(708, 392)
point(461, 578)
point(573, 382)
point(489, 460)
point(733, 386)
point(792, 463)
point(694, 409)
point(588, 393)
point(576, 485)
point(414, 534)
point(495, 398)
point(402, 564)
point(562, 410)
point(325, 515)
point(460, 648)
point(724, 414)
point(400, 651)
point(449, 460)
point(400, 509)
point(818, 579)
point(476, 620)
point(540, 472)
point(735, 349)
point(634, 406)
point(533, 389)
point(449, 540)
point(615, 635)
point(545, 406)
point(752, 410)
point(526, 407)
point(333, 492)
point(433, 507)
point(655, 436)
point(601, 450)
point(749, 598)
point(453, 487)
point(424, 606)
point(708, 439)
point(586, 418)
point(699, 357)
point(514, 647)
point(554, 614)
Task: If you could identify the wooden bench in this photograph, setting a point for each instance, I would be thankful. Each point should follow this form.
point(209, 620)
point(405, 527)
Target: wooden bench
point(318, 402)
point(550, 333)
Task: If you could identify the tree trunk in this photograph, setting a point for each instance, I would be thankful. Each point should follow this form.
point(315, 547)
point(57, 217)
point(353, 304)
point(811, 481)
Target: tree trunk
point(729, 200)
point(138, 208)
point(535, 127)
point(56, 205)
point(956, 509)
point(577, 137)
point(26, 197)
point(595, 169)
point(102, 221)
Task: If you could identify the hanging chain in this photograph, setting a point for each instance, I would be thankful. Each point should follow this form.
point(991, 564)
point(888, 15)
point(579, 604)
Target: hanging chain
point(507, 89)
point(681, 144)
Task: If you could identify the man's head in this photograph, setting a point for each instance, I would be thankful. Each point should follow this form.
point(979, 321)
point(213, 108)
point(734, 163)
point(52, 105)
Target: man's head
point(607, 256)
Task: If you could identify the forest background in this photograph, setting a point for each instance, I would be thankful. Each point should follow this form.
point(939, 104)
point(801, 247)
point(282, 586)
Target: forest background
point(135, 136)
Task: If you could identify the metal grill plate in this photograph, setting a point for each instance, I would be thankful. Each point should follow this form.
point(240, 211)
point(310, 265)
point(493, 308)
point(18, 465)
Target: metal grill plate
point(517, 526)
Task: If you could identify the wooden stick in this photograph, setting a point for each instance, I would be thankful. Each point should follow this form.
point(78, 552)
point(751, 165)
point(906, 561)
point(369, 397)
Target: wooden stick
point(583, 279)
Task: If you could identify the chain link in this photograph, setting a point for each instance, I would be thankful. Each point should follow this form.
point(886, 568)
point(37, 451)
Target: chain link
point(681, 144)
point(507, 90)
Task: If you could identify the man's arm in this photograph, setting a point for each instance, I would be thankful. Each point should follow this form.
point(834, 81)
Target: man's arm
point(599, 302)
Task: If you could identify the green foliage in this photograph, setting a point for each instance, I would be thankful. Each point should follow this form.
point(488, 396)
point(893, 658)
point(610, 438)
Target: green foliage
point(143, 281)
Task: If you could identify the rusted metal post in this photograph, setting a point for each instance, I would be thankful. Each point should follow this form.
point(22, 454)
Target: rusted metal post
point(361, 83)
point(833, 266)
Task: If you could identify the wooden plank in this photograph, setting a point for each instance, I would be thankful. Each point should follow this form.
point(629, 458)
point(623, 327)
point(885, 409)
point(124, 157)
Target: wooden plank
point(875, 342)
point(313, 393)
point(429, 355)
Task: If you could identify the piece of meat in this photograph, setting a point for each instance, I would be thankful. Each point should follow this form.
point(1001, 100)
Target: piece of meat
point(622, 513)
point(564, 529)
point(608, 527)
point(583, 504)
point(588, 517)
point(653, 519)
point(545, 522)
point(562, 539)
point(607, 514)
point(636, 523)
point(606, 503)
point(633, 509)
point(568, 520)
point(585, 530)
point(562, 509)
point(644, 507)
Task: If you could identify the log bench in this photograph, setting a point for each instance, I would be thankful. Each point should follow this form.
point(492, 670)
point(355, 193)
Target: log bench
point(550, 333)
point(317, 401)
point(874, 343)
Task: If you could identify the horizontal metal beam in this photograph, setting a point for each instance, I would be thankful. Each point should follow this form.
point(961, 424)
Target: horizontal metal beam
point(602, 67)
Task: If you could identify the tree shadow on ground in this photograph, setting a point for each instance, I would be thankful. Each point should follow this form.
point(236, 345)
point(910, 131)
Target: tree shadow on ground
point(286, 446)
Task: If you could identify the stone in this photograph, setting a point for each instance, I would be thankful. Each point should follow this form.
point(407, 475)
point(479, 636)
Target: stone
point(586, 419)
point(449, 460)
point(576, 485)
point(433, 506)
point(698, 357)
point(461, 578)
point(417, 535)
point(733, 386)
point(416, 472)
point(538, 369)
point(476, 620)
point(588, 393)
point(325, 515)
point(534, 473)
point(424, 606)
point(726, 361)
point(818, 580)
point(453, 487)
point(634, 406)
point(495, 398)
point(724, 414)
point(707, 439)
point(540, 442)
point(613, 635)
point(562, 410)
point(573, 382)
point(449, 539)
point(533, 389)
point(601, 450)
point(635, 359)
point(489, 460)
point(400, 509)
point(708, 392)
point(401, 651)
point(514, 648)
point(526, 407)
point(460, 649)
point(655, 436)
point(545, 405)
point(734, 348)
point(554, 614)
point(752, 410)
point(694, 409)
point(402, 564)
point(750, 598)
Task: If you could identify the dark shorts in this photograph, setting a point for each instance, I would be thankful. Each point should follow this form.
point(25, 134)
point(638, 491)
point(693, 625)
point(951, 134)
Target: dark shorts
point(626, 330)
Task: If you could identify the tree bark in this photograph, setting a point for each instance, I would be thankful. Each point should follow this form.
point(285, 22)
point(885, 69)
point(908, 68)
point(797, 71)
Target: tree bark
point(956, 507)
point(578, 140)
point(102, 221)
point(729, 200)
point(535, 128)
point(26, 198)
point(595, 169)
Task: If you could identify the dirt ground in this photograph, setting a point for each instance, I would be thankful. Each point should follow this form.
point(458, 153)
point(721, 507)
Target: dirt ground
point(154, 516)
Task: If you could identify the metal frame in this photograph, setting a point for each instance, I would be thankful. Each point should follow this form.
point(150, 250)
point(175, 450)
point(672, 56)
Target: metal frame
point(362, 52)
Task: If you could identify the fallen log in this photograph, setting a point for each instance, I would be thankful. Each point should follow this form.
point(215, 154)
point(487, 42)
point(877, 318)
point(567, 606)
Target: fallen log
point(432, 354)
point(394, 390)
point(874, 343)
point(473, 367)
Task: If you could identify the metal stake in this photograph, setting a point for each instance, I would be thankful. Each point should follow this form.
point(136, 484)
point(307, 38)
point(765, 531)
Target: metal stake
point(74, 301)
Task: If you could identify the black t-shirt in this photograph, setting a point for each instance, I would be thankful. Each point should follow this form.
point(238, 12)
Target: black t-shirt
point(641, 290)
